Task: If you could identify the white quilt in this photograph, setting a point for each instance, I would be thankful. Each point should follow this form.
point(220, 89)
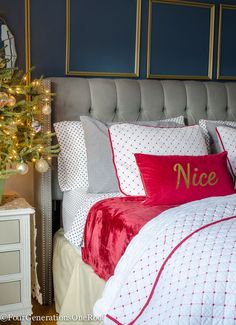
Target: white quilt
point(179, 269)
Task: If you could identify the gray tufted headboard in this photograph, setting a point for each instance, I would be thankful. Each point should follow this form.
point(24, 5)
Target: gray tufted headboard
point(123, 100)
point(130, 100)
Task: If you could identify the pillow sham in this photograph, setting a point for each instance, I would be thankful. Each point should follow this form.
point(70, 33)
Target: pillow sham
point(127, 139)
point(181, 179)
point(209, 130)
point(101, 173)
point(72, 164)
point(227, 141)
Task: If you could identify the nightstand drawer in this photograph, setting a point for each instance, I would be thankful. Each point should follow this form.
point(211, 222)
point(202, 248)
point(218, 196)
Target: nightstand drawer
point(9, 232)
point(10, 293)
point(9, 262)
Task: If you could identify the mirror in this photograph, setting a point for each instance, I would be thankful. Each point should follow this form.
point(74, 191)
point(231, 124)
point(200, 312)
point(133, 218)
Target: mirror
point(8, 42)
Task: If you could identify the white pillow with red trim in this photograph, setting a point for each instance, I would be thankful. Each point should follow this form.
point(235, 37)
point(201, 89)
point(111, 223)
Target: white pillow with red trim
point(227, 141)
point(127, 139)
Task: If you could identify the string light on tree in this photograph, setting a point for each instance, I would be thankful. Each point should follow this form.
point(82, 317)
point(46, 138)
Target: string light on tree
point(22, 138)
point(46, 110)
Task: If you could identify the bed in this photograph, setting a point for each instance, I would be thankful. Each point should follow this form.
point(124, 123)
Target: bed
point(114, 100)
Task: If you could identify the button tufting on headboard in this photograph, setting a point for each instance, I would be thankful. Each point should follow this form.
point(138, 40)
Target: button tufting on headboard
point(128, 100)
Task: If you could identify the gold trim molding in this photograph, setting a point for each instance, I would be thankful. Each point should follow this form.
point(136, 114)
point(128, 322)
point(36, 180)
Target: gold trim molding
point(105, 74)
point(211, 39)
point(219, 76)
point(27, 41)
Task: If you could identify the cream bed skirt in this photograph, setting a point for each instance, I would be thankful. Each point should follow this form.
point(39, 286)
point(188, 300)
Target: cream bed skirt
point(76, 286)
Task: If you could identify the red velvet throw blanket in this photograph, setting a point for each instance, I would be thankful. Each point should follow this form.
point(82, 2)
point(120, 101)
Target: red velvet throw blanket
point(110, 226)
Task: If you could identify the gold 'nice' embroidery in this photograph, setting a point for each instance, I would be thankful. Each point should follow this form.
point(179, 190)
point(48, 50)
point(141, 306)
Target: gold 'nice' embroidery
point(196, 179)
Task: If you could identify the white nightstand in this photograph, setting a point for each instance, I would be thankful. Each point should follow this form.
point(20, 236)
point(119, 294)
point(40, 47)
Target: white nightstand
point(15, 279)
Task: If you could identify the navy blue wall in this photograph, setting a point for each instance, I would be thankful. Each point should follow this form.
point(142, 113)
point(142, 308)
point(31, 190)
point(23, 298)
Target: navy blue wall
point(174, 43)
point(109, 38)
point(228, 48)
point(48, 35)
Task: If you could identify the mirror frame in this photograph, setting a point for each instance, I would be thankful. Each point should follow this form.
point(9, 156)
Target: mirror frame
point(9, 44)
point(26, 4)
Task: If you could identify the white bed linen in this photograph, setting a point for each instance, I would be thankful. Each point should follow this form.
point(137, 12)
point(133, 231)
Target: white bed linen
point(71, 202)
point(179, 269)
point(86, 201)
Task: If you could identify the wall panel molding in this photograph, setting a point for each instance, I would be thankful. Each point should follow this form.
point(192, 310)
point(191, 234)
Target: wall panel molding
point(209, 57)
point(220, 76)
point(136, 62)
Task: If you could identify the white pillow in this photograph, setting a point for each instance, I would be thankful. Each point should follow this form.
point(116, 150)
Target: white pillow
point(208, 127)
point(72, 161)
point(227, 141)
point(128, 139)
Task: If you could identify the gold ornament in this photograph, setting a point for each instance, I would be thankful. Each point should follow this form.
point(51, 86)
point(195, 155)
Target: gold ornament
point(46, 110)
point(42, 165)
point(22, 168)
point(11, 101)
point(3, 99)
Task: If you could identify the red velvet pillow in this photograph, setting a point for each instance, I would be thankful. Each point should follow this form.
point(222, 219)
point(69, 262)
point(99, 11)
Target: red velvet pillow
point(181, 179)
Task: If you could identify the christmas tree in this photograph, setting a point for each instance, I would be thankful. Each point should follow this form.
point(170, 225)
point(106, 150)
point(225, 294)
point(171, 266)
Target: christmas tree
point(23, 105)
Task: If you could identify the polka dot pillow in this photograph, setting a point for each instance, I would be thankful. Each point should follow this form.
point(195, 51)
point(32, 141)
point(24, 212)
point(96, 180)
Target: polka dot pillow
point(127, 139)
point(209, 131)
point(72, 161)
point(227, 141)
